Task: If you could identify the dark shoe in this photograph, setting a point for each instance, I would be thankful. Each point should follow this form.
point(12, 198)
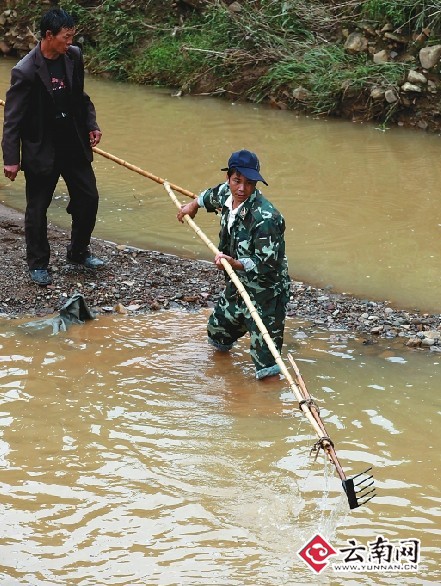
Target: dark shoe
point(93, 262)
point(40, 276)
point(90, 262)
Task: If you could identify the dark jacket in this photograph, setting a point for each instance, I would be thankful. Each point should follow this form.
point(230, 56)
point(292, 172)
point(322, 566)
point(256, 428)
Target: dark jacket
point(30, 111)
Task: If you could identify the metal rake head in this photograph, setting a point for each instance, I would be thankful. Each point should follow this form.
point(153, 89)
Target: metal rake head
point(359, 492)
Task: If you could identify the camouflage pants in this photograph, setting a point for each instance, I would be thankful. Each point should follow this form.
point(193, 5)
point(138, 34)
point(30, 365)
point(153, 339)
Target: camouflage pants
point(231, 320)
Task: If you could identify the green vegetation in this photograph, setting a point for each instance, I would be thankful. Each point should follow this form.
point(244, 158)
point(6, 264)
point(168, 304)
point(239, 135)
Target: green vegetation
point(408, 15)
point(290, 43)
point(328, 73)
point(266, 50)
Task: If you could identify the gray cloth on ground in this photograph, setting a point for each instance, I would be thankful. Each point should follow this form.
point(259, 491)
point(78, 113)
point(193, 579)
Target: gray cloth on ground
point(74, 311)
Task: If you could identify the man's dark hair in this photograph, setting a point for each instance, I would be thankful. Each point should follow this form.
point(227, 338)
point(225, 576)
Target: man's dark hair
point(54, 20)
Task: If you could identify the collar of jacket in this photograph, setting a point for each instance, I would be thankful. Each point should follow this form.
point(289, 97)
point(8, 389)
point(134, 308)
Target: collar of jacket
point(43, 72)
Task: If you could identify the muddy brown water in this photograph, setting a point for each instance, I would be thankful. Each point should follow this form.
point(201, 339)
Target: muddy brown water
point(130, 456)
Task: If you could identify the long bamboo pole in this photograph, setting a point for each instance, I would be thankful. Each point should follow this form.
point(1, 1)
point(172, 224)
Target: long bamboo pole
point(304, 400)
point(141, 171)
point(306, 404)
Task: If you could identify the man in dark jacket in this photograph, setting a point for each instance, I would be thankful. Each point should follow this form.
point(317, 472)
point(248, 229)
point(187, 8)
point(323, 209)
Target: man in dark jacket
point(49, 131)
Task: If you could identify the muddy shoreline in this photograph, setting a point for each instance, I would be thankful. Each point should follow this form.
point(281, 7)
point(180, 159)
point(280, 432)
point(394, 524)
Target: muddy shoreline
point(137, 280)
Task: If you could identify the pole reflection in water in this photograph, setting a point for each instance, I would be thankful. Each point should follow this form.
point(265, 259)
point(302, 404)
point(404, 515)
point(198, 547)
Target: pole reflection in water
point(129, 455)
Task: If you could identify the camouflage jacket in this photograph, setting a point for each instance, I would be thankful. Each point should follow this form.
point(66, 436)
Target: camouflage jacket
point(257, 234)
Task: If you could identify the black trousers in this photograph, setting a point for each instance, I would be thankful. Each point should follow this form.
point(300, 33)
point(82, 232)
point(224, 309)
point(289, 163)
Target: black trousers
point(80, 179)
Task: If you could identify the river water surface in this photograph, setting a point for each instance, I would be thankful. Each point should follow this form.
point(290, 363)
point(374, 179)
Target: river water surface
point(130, 456)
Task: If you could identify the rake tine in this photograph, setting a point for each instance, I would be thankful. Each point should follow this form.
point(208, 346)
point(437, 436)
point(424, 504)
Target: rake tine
point(364, 472)
point(366, 496)
point(356, 498)
point(364, 487)
point(364, 480)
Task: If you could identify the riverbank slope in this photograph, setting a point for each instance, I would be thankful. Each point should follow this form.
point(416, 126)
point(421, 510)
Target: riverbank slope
point(361, 61)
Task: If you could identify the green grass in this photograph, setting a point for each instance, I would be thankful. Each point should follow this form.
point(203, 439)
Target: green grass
point(327, 72)
point(409, 15)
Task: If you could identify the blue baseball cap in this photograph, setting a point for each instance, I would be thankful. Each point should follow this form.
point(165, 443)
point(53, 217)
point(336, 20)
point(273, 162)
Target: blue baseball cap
point(247, 164)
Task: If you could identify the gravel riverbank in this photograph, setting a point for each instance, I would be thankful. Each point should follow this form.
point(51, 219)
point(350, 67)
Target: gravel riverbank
point(141, 281)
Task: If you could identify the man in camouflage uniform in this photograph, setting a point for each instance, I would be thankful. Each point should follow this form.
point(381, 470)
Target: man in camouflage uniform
point(252, 241)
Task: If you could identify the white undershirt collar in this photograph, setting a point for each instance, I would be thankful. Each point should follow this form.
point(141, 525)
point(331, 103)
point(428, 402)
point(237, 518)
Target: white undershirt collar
point(233, 213)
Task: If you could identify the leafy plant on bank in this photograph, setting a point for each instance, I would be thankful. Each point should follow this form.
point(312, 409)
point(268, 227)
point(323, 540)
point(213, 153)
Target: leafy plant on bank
point(327, 73)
